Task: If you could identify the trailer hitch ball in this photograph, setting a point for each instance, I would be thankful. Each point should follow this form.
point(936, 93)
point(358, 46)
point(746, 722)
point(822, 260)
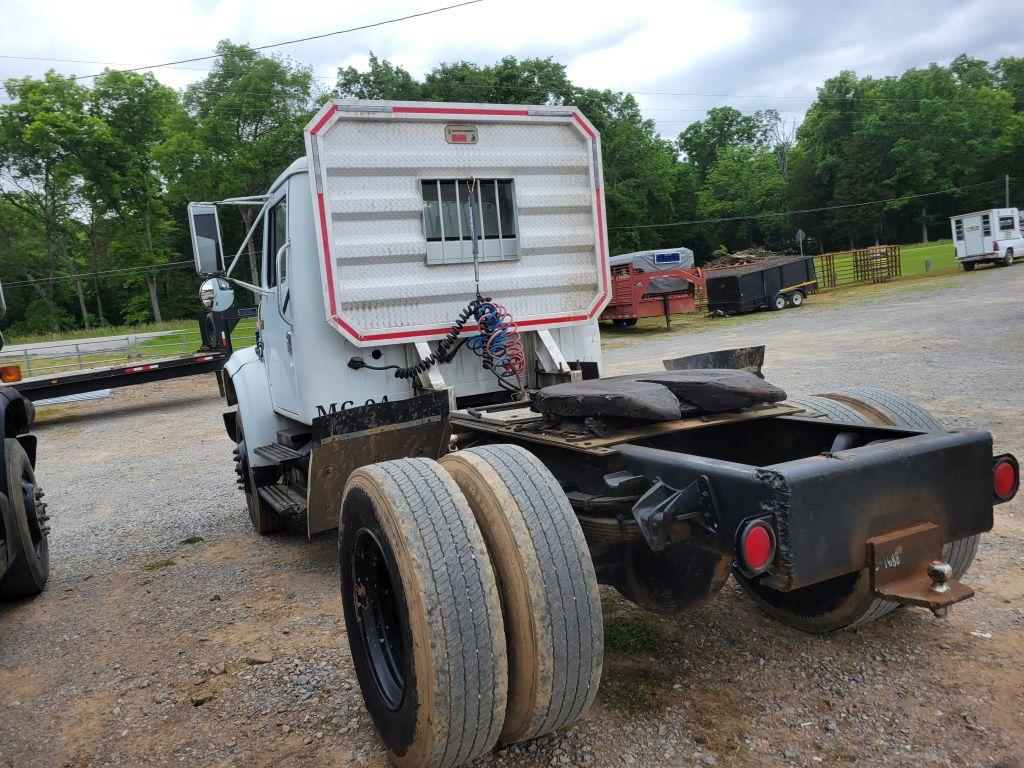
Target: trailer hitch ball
point(940, 573)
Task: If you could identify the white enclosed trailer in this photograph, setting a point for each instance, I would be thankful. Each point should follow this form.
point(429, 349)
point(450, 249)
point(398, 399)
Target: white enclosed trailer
point(426, 379)
point(995, 236)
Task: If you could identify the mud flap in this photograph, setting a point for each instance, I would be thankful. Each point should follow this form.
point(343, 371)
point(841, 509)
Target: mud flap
point(355, 437)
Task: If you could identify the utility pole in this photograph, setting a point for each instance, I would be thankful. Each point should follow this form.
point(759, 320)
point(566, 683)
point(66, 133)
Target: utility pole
point(1007, 190)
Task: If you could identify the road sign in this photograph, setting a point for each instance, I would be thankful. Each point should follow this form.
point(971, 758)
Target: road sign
point(800, 237)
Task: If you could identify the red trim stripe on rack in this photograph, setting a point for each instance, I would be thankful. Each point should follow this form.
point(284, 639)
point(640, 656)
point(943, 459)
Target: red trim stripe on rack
point(336, 318)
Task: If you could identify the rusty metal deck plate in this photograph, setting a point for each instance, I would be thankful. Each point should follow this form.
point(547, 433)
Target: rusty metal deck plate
point(521, 423)
point(899, 568)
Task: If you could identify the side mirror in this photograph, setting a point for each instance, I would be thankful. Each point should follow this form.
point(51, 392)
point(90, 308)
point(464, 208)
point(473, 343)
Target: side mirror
point(217, 294)
point(206, 240)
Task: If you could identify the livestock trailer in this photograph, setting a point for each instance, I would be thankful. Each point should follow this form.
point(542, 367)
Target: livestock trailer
point(772, 283)
point(652, 283)
point(427, 380)
point(995, 236)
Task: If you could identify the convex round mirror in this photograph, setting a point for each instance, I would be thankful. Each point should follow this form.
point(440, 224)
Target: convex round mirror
point(216, 294)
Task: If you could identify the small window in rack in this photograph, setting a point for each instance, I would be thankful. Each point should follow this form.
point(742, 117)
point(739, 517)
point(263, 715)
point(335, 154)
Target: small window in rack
point(959, 229)
point(986, 225)
point(449, 221)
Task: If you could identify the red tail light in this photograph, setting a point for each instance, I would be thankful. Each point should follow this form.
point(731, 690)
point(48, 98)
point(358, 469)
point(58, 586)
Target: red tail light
point(755, 549)
point(1005, 478)
point(995, 245)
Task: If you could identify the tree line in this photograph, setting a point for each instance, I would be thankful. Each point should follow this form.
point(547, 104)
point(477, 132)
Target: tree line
point(95, 176)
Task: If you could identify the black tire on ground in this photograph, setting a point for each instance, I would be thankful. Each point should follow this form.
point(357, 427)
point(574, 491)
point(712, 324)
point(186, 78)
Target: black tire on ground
point(841, 603)
point(264, 519)
point(423, 614)
point(847, 601)
point(796, 298)
point(968, 266)
point(24, 527)
point(778, 302)
point(549, 595)
point(1007, 258)
point(674, 579)
point(881, 407)
point(830, 409)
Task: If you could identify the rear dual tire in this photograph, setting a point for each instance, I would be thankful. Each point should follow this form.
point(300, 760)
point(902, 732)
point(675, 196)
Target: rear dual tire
point(549, 594)
point(423, 614)
point(848, 601)
point(470, 601)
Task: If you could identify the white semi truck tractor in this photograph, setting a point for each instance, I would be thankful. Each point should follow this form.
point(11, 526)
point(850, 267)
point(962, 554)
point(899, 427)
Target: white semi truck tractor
point(426, 379)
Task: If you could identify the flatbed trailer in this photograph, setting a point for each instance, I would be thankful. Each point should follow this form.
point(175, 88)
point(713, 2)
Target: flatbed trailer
point(215, 329)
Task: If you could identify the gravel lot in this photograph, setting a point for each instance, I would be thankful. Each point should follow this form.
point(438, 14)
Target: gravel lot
point(170, 634)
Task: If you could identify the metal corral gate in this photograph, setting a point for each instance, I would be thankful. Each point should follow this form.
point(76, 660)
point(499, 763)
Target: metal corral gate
point(877, 264)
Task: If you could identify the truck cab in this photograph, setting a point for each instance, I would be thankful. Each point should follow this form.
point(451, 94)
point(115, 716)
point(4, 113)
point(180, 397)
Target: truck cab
point(995, 236)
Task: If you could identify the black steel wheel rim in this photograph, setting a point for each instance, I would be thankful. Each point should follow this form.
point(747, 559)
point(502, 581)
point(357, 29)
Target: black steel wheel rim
point(376, 608)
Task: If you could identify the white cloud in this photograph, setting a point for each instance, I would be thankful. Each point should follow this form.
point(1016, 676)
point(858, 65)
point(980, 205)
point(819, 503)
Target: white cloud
point(687, 46)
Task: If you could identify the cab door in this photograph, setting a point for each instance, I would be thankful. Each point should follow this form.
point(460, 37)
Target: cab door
point(275, 310)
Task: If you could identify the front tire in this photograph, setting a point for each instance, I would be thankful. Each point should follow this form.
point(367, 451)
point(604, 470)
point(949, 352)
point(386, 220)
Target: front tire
point(423, 614)
point(551, 604)
point(264, 519)
point(796, 299)
point(24, 527)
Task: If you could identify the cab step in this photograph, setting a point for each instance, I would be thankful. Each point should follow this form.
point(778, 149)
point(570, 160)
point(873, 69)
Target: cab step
point(277, 453)
point(283, 499)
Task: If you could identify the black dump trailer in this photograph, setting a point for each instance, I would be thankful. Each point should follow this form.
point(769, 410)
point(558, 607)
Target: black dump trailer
point(774, 283)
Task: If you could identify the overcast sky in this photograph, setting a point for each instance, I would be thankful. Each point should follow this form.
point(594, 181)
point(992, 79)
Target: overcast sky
point(680, 56)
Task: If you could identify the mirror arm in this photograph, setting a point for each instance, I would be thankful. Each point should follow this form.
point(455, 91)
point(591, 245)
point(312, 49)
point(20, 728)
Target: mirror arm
point(258, 289)
point(245, 242)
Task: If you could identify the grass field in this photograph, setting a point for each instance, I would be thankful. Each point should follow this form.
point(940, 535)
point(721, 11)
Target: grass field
point(939, 253)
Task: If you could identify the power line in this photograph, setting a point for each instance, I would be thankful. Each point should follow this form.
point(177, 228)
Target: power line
point(301, 39)
point(83, 275)
point(91, 61)
point(808, 210)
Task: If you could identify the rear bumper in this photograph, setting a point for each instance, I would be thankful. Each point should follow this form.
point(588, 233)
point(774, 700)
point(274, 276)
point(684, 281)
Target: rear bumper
point(826, 509)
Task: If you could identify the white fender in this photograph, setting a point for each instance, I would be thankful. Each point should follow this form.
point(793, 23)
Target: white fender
point(260, 422)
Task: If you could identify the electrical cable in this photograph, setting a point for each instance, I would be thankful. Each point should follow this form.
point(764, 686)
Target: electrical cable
point(439, 355)
point(808, 210)
point(298, 40)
